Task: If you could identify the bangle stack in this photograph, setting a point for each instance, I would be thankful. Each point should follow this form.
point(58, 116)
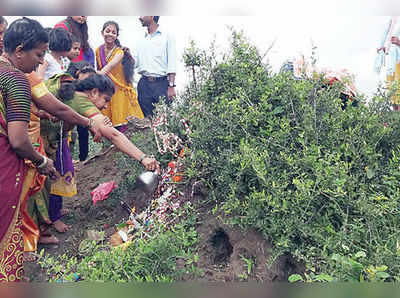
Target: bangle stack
point(43, 163)
point(91, 123)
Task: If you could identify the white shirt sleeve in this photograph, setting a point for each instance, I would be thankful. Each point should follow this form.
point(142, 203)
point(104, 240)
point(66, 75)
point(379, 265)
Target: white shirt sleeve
point(171, 54)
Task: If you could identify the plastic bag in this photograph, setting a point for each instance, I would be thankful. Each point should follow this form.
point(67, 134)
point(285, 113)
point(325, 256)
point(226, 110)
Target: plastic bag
point(101, 192)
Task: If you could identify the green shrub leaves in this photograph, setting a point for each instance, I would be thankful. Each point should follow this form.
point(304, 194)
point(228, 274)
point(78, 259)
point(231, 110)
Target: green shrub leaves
point(280, 154)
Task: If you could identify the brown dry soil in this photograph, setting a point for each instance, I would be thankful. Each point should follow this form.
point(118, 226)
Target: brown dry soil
point(222, 249)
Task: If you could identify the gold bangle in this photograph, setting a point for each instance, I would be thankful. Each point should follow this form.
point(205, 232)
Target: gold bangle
point(43, 163)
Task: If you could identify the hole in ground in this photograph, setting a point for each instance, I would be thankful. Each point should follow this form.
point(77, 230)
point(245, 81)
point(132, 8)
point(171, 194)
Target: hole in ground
point(222, 247)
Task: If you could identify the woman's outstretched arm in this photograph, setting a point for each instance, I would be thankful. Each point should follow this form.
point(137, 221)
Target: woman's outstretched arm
point(125, 145)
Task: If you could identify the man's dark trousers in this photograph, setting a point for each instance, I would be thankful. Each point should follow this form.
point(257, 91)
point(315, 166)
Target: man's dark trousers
point(149, 92)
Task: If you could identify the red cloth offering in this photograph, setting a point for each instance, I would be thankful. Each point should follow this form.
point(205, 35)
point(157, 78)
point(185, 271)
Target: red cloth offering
point(101, 192)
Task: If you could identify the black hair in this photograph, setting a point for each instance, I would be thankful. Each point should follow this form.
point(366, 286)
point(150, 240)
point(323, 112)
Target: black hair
point(3, 20)
point(60, 40)
point(26, 32)
point(156, 18)
point(48, 30)
point(81, 66)
point(128, 63)
point(75, 38)
point(99, 81)
point(81, 31)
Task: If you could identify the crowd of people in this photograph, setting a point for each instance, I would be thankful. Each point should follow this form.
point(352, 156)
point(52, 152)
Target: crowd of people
point(51, 81)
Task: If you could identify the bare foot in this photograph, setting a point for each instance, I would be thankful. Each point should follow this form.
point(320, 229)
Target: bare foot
point(30, 256)
point(48, 239)
point(45, 233)
point(44, 229)
point(65, 211)
point(60, 226)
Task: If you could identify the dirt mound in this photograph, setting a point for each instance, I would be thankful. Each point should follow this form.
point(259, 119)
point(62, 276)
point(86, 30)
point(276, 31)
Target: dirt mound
point(229, 254)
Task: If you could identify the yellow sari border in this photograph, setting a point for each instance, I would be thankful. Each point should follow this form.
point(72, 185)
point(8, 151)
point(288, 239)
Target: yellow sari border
point(39, 90)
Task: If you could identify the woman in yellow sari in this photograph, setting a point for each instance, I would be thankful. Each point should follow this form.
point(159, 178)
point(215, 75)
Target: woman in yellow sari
point(118, 65)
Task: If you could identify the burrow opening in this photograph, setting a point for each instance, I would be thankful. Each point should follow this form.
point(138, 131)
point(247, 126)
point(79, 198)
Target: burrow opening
point(222, 247)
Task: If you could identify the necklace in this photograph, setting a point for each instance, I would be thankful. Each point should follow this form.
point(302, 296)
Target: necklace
point(109, 52)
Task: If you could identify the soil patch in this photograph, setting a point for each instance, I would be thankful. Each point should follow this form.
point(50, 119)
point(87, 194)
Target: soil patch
point(230, 254)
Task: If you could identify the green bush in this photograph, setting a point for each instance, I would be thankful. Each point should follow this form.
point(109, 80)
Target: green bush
point(279, 154)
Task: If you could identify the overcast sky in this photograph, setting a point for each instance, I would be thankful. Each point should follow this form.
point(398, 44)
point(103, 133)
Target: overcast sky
point(343, 41)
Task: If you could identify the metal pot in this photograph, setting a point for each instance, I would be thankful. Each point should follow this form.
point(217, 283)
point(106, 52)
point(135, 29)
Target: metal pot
point(147, 181)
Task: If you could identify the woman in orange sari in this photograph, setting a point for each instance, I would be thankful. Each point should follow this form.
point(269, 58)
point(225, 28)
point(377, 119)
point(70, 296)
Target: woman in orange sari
point(25, 44)
point(118, 65)
point(30, 228)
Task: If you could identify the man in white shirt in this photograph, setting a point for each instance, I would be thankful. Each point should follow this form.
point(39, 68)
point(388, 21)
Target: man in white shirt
point(156, 62)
